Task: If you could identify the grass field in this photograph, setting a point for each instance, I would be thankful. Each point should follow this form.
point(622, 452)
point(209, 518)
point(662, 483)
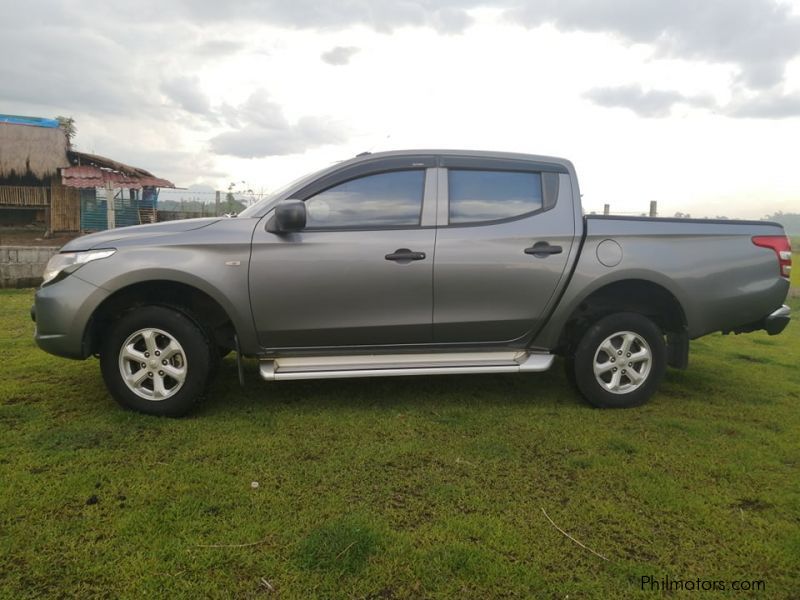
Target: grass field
point(400, 488)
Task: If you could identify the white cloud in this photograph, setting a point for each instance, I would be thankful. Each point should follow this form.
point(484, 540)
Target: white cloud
point(187, 93)
point(181, 88)
point(645, 103)
point(263, 130)
point(759, 36)
point(774, 104)
point(339, 55)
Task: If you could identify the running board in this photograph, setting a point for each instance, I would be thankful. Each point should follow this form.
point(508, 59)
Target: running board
point(388, 365)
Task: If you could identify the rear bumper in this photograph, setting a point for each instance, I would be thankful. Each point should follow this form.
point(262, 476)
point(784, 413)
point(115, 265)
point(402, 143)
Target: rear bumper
point(778, 320)
point(773, 323)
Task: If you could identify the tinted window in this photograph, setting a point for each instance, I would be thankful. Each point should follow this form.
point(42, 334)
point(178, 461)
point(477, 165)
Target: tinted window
point(383, 200)
point(492, 195)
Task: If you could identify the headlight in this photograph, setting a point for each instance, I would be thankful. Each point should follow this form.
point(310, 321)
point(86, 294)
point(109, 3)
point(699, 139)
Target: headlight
point(61, 265)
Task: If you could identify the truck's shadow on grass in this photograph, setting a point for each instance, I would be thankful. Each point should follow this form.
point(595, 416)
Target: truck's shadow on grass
point(543, 389)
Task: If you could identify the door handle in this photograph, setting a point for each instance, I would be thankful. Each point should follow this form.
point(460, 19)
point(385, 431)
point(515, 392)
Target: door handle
point(543, 249)
point(405, 254)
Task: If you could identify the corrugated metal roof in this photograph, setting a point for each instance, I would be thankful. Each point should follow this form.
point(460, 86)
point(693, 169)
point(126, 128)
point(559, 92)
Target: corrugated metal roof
point(87, 176)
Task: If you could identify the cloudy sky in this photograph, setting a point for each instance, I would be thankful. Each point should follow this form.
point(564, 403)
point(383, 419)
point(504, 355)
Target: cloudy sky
point(693, 104)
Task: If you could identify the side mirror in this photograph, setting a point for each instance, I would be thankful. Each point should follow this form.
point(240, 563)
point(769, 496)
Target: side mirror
point(289, 216)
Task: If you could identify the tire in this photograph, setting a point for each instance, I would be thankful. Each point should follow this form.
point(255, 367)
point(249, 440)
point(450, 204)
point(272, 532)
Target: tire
point(569, 370)
point(602, 375)
point(139, 344)
point(218, 353)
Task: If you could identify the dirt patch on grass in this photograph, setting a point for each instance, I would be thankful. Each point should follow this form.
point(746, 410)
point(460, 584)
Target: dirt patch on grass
point(753, 504)
point(753, 359)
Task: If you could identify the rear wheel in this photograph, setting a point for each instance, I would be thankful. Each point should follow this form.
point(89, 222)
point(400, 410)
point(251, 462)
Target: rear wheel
point(620, 361)
point(155, 360)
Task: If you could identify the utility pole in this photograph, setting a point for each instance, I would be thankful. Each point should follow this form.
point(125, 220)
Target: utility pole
point(48, 215)
point(110, 219)
point(216, 204)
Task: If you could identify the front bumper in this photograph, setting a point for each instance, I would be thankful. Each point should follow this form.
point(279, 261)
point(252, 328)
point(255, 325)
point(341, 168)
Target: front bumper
point(778, 320)
point(62, 312)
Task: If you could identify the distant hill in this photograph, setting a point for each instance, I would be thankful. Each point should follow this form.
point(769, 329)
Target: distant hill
point(197, 206)
point(790, 222)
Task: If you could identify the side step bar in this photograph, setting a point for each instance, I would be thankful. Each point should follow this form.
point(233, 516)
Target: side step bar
point(388, 365)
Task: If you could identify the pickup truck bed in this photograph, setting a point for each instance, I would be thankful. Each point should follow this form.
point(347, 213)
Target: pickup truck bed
point(721, 281)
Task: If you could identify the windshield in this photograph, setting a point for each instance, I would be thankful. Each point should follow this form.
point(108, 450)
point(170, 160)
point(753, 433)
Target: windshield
point(255, 209)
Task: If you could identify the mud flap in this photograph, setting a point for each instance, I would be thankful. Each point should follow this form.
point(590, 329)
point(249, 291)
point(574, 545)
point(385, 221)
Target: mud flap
point(239, 365)
point(678, 350)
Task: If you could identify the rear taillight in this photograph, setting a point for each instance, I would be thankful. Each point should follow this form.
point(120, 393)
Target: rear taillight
point(783, 250)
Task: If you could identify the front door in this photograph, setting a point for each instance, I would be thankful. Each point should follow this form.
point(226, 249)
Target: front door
point(359, 274)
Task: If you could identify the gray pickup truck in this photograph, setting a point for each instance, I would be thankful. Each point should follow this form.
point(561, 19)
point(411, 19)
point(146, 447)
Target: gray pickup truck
point(410, 263)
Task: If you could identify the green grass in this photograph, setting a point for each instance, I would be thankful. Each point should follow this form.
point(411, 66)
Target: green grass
point(399, 487)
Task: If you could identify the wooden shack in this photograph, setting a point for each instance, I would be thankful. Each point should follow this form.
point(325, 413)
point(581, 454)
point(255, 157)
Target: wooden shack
point(31, 156)
point(43, 181)
point(112, 194)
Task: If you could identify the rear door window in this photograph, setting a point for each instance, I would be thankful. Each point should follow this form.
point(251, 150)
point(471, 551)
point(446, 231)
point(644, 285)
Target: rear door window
point(479, 196)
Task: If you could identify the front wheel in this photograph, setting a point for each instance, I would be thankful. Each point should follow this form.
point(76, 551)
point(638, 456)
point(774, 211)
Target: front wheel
point(155, 360)
point(620, 361)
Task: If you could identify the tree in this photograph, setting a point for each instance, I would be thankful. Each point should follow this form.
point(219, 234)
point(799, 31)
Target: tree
point(67, 125)
point(233, 205)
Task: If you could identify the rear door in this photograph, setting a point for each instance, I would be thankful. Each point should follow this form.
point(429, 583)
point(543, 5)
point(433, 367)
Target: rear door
point(505, 233)
point(360, 273)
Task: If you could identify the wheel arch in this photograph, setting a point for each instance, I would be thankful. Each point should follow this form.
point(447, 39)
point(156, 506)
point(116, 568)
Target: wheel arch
point(636, 295)
point(197, 304)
